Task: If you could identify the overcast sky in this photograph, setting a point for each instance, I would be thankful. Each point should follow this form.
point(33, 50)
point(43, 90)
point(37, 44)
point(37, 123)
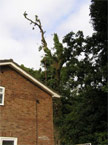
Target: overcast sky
point(17, 39)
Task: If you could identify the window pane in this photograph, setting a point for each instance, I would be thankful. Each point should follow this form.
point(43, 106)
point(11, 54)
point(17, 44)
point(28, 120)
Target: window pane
point(1, 90)
point(8, 142)
point(1, 97)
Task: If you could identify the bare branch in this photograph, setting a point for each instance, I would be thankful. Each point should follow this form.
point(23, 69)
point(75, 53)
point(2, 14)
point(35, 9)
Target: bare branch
point(37, 23)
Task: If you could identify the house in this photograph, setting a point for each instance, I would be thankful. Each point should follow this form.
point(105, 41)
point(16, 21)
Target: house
point(26, 111)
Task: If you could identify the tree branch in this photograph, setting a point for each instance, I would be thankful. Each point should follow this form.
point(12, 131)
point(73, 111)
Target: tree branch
point(37, 23)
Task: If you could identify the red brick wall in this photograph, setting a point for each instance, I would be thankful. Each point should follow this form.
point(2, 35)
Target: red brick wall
point(21, 116)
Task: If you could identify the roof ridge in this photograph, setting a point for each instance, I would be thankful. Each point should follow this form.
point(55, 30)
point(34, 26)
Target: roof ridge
point(6, 60)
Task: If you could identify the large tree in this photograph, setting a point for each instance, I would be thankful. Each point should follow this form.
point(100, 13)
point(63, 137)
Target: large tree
point(85, 111)
point(79, 72)
point(52, 61)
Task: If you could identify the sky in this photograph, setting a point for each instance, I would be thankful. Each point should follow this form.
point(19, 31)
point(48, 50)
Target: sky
point(17, 39)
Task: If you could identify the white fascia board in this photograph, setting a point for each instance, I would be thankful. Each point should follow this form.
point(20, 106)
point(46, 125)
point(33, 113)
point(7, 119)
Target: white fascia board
point(30, 77)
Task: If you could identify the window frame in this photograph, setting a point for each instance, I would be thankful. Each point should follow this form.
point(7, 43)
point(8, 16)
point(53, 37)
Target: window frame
point(8, 139)
point(3, 93)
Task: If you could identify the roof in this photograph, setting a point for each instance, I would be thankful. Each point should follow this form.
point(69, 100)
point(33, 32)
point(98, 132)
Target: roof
point(15, 66)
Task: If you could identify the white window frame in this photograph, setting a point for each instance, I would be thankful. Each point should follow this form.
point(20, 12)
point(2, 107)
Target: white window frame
point(3, 93)
point(8, 139)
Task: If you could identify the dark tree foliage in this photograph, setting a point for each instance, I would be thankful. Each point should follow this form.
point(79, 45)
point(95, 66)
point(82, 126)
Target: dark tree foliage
point(98, 13)
point(85, 109)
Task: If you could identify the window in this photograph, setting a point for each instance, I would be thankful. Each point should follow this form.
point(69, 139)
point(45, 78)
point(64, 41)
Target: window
point(8, 141)
point(2, 91)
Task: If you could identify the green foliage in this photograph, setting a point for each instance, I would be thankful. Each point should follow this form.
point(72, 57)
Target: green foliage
point(38, 74)
point(83, 116)
point(78, 72)
point(102, 138)
point(85, 109)
point(53, 63)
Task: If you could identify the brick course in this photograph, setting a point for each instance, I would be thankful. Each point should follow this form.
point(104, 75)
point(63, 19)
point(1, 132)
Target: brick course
point(22, 116)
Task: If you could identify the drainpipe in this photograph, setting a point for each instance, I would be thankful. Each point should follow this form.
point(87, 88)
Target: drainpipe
point(37, 102)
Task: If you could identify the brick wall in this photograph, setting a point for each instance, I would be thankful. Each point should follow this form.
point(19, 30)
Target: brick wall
point(22, 116)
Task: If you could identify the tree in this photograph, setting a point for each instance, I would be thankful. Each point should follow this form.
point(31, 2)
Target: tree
point(85, 110)
point(98, 13)
point(51, 62)
point(79, 72)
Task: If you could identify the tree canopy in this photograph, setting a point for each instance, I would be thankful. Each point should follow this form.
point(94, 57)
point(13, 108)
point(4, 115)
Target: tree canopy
point(77, 69)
